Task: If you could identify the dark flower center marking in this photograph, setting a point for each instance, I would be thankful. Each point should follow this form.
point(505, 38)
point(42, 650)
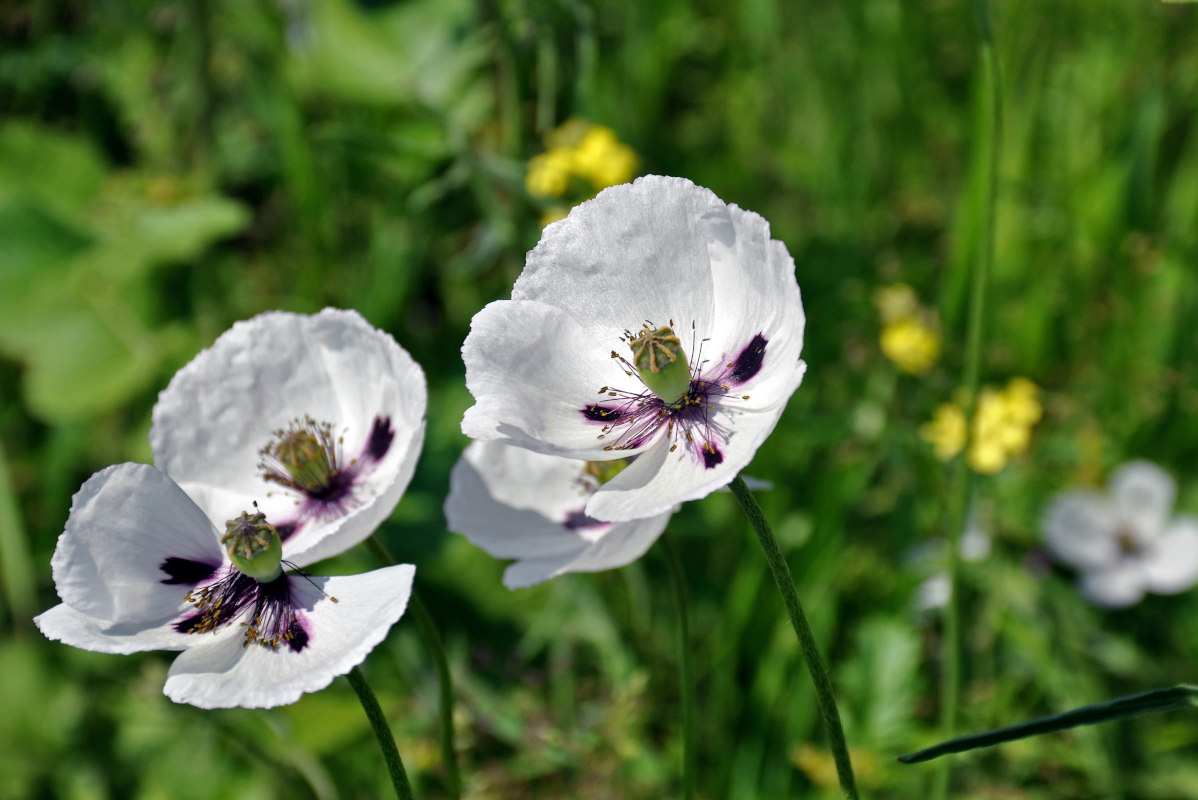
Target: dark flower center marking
point(381, 434)
point(636, 418)
point(306, 458)
point(268, 615)
point(577, 520)
point(185, 571)
point(748, 363)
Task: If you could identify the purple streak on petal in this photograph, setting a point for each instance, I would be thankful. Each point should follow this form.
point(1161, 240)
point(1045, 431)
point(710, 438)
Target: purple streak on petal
point(748, 363)
point(286, 530)
point(598, 413)
point(185, 571)
point(712, 457)
point(576, 520)
point(381, 436)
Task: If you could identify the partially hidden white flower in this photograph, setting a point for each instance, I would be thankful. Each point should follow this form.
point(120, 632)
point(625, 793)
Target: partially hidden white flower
point(1126, 542)
point(141, 567)
point(655, 320)
point(319, 419)
point(520, 504)
point(294, 431)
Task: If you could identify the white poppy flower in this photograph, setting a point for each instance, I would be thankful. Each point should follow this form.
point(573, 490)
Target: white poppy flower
point(1127, 542)
point(318, 419)
point(516, 503)
point(655, 320)
point(141, 567)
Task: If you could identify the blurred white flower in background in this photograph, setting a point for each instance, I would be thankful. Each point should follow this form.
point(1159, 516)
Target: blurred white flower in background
point(1125, 542)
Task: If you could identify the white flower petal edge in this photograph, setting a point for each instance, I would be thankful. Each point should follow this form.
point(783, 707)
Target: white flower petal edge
point(1171, 562)
point(1143, 495)
point(126, 521)
point(1081, 529)
point(662, 250)
point(64, 624)
point(515, 503)
point(224, 673)
point(223, 407)
point(1117, 586)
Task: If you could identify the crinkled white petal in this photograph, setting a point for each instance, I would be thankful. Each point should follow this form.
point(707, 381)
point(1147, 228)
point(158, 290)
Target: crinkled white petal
point(756, 294)
point(635, 253)
point(64, 624)
point(1117, 586)
point(1171, 562)
point(659, 479)
point(125, 521)
point(1081, 528)
point(512, 503)
point(221, 409)
point(1143, 494)
point(533, 370)
point(223, 673)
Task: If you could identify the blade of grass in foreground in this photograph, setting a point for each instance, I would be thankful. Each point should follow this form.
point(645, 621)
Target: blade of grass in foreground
point(1130, 706)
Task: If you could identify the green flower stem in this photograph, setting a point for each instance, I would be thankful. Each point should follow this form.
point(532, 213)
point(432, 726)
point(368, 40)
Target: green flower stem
point(686, 685)
point(815, 664)
point(1144, 703)
point(432, 640)
point(382, 732)
point(950, 684)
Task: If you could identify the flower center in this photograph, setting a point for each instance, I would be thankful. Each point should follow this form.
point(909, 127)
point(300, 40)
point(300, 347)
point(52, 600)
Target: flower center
point(303, 457)
point(660, 362)
point(1129, 545)
point(254, 546)
point(271, 617)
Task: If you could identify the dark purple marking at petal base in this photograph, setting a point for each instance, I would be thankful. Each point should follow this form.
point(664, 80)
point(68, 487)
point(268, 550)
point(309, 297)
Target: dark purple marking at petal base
point(185, 571)
point(299, 637)
point(598, 413)
point(286, 530)
point(578, 519)
point(381, 436)
point(712, 456)
point(748, 363)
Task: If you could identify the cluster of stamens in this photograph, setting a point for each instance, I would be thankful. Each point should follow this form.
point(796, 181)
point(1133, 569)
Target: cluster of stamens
point(634, 418)
point(305, 457)
point(269, 618)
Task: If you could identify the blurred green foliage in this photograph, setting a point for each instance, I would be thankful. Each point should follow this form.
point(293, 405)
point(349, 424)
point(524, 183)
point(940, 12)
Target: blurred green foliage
point(170, 166)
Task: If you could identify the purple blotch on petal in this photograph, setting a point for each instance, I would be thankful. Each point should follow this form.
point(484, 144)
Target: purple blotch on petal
point(576, 520)
point(598, 413)
point(711, 456)
point(185, 571)
point(381, 435)
point(286, 530)
point(748, 363)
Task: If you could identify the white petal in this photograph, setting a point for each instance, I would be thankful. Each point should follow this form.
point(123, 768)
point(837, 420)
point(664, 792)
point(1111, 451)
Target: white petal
point(1081, 528)
point(660, 480)
point(1171, 562)
point(125, 522)
point(1117, 586)
point(756, 294)
point(533, 371)
point(512, 502)
point(1143, 495)
point(221, 409)
point(64, 624)
point(635, 253)
point(224, 673)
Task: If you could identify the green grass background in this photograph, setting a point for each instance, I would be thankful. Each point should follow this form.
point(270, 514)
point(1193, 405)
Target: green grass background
point(167, 168)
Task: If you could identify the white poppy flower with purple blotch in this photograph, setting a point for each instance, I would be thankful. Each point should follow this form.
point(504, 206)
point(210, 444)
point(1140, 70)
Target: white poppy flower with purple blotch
point(318, 419)
point(1125, 542)
point(140, 566)
point(655, 321)
point(520, 504)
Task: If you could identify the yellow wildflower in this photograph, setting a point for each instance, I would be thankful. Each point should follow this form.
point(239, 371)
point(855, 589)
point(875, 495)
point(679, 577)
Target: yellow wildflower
point(549, 173)
point(910, 335)
point(577, 149)
point(912, 344)
point(603, 159)
point(1002, 427)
